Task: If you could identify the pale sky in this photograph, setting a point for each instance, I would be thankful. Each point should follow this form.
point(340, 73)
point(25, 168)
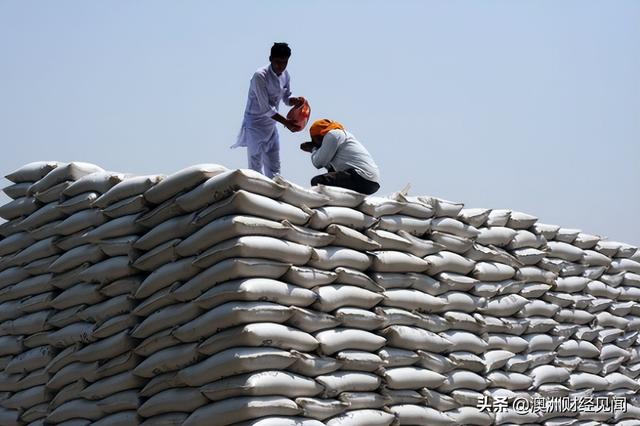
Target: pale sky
point(528, 105)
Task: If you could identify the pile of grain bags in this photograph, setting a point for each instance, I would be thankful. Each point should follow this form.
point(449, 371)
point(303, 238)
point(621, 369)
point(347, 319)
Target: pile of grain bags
point(213, 300)
point(28, 286)
point(66, 314)
point(220, 297)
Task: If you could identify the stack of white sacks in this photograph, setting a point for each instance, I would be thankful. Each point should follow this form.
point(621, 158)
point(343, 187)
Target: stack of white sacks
point(221, 297)
point(66, 292)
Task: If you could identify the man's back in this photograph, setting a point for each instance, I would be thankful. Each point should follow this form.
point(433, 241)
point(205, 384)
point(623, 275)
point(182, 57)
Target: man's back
point(342, 151)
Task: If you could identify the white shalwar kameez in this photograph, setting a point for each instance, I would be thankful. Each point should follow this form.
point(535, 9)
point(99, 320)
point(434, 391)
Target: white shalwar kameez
point(258, 132)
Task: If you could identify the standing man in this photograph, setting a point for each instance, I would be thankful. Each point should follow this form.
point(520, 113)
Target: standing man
point(348, 163)
point(258, 133)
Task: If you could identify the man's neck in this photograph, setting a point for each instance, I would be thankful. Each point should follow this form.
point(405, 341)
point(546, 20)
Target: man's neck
point(271, 69)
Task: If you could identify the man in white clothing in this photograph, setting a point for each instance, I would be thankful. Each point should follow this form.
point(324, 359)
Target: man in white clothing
point(348, 162)
point(269, 85)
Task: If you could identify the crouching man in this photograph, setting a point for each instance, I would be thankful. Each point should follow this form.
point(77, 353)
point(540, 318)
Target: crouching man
point(348, 163)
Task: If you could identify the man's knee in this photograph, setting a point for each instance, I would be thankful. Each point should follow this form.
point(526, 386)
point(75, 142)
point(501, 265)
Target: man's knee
point(317, 180)
point(254, 158)
point(272, 163)
point(371, 188)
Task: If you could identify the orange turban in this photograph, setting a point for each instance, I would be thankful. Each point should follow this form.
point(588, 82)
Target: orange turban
point(321, 127)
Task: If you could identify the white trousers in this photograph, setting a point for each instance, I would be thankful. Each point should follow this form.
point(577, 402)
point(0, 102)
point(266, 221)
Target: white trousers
point(263, 149)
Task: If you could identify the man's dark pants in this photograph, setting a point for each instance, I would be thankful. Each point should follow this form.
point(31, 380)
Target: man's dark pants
point(349, 179)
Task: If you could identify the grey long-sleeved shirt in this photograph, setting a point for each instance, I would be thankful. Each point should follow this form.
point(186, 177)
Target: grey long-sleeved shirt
point(342, 151)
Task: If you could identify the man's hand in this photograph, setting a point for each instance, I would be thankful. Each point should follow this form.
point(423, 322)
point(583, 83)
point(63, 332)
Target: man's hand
point(307, 146)
point(293, 127)
point(296, 101)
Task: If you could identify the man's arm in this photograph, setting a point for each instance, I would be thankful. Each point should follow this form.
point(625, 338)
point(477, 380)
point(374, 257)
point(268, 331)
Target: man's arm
point(322, 156)
point(280, 119)
point(259, 88)
point(286, 95)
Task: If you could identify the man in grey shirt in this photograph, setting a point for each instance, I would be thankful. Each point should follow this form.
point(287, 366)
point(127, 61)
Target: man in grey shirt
point(348, 162)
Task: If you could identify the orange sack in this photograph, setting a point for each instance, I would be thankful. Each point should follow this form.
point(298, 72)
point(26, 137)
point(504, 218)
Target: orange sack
point(300, 115)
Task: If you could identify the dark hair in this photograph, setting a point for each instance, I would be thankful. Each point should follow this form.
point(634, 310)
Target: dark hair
point(280, 50)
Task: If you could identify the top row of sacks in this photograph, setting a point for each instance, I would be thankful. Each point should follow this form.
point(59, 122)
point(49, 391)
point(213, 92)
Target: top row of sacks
point(194, 188)
point(198, 186)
